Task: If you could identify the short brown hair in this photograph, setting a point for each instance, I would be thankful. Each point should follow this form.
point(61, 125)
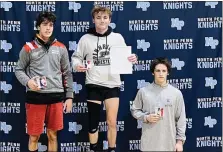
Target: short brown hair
point(98, 9)
point(160, 60)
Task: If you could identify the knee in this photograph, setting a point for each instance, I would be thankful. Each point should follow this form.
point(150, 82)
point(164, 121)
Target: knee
point(52, 135)
point(111, 123)
point(34, 138)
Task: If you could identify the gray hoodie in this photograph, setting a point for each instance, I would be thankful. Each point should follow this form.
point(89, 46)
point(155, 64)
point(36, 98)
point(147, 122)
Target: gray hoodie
point(95, 48)
point(162, 135)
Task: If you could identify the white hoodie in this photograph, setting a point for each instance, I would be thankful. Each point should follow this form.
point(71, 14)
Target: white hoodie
point(87, 48)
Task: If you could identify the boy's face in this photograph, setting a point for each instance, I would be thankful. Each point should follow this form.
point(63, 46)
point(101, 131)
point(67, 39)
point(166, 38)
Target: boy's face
point(160, 73)
point(46, 29)
point(101, 20)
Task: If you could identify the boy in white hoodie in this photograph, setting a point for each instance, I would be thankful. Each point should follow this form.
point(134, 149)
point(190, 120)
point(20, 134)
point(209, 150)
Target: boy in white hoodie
point(101, 85)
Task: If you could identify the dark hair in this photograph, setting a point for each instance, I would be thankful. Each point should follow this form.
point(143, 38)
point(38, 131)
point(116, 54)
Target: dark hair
point(160, 60)
point(43, 16)
point(98, 9)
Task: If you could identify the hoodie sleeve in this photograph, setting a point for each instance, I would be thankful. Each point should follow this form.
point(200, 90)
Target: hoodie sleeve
point(180, 118)
point(137, 106)
point(22, 64)
point(79, 55)
point(66, 74)
point(122, 40)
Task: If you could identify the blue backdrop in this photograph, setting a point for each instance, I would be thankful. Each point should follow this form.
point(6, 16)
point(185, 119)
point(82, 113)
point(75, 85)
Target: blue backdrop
point(188, 33)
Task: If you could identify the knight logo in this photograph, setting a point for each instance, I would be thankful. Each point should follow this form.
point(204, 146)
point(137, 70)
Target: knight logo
point(142, 44)
point(211, 4)
point(73, 46)
point(74, 6)
point(176, 22)
point(210, 41)
point(141, 84)
point(134, 145)
point(6, 5)
point(139, 124)
point(5, 128)
point(77, 87)
point(143, 25)
point(209, 141)
point(176, 63)
point(9, 147)
point(210, 122)
point(5, 46)
point(74, 127)
point(105, 144)
point(112, 25)
point(41, 147)
point(210, 102)
point(5, 87)
point(210, 82)
point(112, 5)
point(209, 22)
point(143, 5)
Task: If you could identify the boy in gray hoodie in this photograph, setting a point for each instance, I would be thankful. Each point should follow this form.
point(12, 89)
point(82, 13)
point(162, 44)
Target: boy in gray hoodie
point(161, 108)
point(101, 85)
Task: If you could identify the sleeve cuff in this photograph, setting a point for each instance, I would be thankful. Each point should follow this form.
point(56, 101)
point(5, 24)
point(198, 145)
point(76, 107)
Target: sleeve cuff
point(69, 95)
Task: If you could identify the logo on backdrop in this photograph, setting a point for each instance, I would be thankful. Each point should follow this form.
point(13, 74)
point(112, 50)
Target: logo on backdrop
point(75, 146)
point(77, 87)
point(79, 107)
point(176, 22)
point(209, 63)
point(142, 83)
point(210, 41)
point(73, 46)
point(143, 5)
point(103, 126)
point(74, 26)
point(4, 45)
point(211, 4)
point(210, 82)
point(9, 107)
point(38, 6)
point(6, 128)
point(177, 5)
point(112, 5)
point(142, 44)
point(112, 25)
point(134, 145)
point(211, 102)
point(176, 63)
point(209, 141)
point(142, 65)
point(184, 83)
point(6, 5)
point(74, 6)
point(189, 123)
point(9, 147)
point(210, 122)
point(5, 87)
point(209, 22)
point(143, 25)
point(178, 44)
point(74, 127)
point(7, 66)
point(10, 26)
point(41, 147)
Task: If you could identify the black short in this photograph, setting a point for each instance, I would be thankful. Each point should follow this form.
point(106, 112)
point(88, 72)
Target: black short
point(100, 93)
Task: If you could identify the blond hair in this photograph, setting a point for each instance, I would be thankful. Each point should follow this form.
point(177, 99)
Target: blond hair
point(98, 9)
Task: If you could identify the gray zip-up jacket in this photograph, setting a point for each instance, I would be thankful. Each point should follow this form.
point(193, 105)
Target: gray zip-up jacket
point(162, 135)
point(35, 60)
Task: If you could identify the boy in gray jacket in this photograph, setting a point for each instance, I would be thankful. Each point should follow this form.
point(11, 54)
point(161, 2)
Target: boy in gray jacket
point(44, 68)
point(161, 108)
